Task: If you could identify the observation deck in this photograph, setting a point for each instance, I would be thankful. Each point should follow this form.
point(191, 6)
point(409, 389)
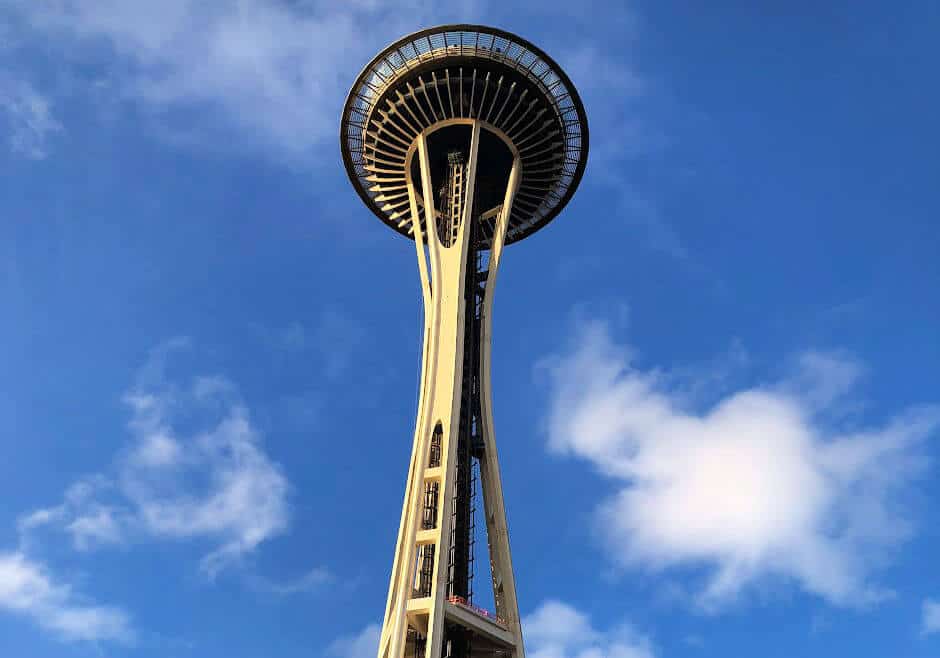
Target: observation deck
point(450, 76)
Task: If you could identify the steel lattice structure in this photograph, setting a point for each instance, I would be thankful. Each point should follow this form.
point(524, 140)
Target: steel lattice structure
point(464, 138)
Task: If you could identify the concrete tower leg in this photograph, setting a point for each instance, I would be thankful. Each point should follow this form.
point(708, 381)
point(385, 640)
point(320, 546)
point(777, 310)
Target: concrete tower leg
point(422, 604)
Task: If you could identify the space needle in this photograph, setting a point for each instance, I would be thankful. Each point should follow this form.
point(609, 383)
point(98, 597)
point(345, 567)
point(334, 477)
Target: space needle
point(464, 139)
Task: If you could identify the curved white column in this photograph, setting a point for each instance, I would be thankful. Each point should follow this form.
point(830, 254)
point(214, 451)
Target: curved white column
point(443, 275)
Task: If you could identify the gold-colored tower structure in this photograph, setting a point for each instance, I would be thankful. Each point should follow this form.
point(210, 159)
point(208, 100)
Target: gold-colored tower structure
point(464, 138)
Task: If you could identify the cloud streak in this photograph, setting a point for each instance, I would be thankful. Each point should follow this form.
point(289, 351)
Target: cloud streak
point(757, 486)
point(312, 581)
point(26, 588)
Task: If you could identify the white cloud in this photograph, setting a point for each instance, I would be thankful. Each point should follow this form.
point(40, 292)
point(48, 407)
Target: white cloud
point(212, 480)
point(312, 581)
point(96, 526)
point(756, 486)
point(824, 379)
point(930, 617)
point(28, 115)
point(557, 630)
point(158, 449)
point(277, 71)
point(242, 500)
point(363, 644)
point(89, 522)
point(27, 589)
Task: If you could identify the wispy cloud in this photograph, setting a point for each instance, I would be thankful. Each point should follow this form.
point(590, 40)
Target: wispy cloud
point(930, 617)
point(277, 72)
point(363, 644)
point(611, 88)
point(26, 588)
point(88, 521)
point(30, 122)
point(334, 338)
point(312, 581)
point(758, 485)
point(625, 130)
point(212, 480)
point(559, 630)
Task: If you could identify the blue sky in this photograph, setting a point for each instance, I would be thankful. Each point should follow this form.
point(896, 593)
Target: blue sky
point(715, 374)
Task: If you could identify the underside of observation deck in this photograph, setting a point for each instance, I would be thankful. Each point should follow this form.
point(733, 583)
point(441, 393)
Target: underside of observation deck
point(456, 73)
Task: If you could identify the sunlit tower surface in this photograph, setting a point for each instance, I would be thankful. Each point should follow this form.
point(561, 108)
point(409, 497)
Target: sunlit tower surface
point(465, 139)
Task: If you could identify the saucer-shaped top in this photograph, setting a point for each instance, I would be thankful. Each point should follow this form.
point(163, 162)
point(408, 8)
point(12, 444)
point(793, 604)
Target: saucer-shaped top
point(444, 75)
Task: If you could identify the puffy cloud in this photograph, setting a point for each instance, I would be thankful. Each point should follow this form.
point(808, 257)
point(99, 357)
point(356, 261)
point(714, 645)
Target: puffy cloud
point(27, 589)
point(758, 485)
point(930, 617)
point(558, 630)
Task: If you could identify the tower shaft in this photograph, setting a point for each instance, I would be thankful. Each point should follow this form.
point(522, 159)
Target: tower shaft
point(429, 612)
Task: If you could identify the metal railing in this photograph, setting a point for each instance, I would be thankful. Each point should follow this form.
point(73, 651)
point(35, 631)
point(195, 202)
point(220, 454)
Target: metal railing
point(463, 603)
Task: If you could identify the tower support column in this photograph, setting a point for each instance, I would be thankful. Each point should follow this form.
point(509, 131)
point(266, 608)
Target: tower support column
point(427, 612)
